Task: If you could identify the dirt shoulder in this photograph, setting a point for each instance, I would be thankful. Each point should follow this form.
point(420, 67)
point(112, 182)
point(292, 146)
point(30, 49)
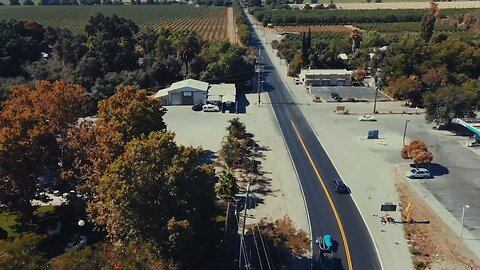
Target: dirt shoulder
point(433, 245)
point(231, 27)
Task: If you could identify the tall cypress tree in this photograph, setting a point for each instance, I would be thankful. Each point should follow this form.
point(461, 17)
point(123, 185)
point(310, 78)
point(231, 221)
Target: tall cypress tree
point(309, 39)
point(428, 22)
point(304, 50)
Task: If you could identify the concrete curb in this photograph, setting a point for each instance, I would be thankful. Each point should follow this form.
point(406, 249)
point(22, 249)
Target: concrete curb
point(445, 216)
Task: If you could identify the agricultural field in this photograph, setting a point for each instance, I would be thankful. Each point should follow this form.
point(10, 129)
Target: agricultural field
point(209, 22)
point(402, 4)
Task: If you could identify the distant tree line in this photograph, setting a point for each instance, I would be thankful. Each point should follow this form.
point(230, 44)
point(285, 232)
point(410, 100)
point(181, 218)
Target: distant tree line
point(217, 3)
point(110, 2)
point(243, 31)
point(319, 16)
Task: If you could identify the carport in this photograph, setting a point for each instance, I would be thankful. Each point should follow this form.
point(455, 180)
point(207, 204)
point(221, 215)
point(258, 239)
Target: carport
point(347, 93)
point(223, 95)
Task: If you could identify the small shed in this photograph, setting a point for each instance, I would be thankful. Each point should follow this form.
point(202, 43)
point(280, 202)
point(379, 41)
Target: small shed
point(186, 92)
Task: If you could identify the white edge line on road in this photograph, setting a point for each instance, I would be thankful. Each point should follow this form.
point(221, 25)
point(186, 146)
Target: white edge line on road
point(296, 173)
point(353, 199)
point(286, 146)
point(318, 138)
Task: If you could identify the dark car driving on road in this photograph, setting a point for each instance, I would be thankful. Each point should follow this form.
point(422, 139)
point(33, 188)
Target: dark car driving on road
point(340, 187)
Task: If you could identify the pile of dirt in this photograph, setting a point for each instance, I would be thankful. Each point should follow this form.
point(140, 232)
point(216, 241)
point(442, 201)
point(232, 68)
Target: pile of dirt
point(433, 245)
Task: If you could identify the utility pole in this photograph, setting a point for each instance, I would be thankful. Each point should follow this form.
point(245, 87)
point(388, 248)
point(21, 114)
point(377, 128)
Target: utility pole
point(243, 230)
point(258, 77)
point(405, 131)
point(253, 169)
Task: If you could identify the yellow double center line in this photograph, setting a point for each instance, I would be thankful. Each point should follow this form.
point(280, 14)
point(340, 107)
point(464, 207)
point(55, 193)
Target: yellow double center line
point(337, 217)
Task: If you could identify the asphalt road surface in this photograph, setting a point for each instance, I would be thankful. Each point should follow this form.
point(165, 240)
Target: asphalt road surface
point(329, 212)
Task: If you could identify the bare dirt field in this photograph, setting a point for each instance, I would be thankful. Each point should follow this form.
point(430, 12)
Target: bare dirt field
point(433, 245)
point(317, 28)
point(408, 5)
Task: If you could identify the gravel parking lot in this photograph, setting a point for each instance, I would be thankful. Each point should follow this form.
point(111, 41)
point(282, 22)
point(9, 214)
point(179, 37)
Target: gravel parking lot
point(359, 93)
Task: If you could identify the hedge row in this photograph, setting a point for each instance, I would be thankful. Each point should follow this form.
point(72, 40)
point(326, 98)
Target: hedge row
point(288, 17)
point(241, 20)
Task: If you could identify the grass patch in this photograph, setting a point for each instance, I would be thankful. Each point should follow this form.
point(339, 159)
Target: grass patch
point(8, 220)
point(220, 219)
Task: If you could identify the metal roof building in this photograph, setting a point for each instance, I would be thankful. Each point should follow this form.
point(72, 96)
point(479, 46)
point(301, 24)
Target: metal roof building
point(224, 92)
point(186, 92)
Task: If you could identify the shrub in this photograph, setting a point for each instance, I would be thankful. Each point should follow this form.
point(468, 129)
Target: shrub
point(417, 151)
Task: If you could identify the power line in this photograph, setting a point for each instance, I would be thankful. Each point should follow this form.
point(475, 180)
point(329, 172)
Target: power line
point(242, 239)
point(256, 247)
point(242, 249)
point(264, 250)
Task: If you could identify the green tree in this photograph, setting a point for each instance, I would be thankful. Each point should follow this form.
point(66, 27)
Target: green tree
point(449, 102)
point(69, 49)
point(187, 44)
point(226, 189)
point(372, 39)
point(111, 40)
point(106, 255)
point(409, 56)
point(226, 63)
point(163, 48)
point(428, 21)
point(237, 129)
point(155, 175)
point(20, 42)
point(20, 253)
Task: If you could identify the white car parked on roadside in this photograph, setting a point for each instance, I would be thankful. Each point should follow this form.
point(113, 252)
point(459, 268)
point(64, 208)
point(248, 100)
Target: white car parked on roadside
point(210, 108)
point(368, 118)
point(418, 173)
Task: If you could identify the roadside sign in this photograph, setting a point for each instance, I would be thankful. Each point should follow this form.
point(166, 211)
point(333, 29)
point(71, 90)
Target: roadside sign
point(388, 207)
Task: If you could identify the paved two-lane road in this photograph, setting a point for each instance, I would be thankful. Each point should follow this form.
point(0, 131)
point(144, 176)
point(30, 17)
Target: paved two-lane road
point(329, 212)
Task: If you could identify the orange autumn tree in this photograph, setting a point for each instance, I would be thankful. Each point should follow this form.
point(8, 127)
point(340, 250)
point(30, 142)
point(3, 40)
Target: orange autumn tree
point(127, 115)
point(32, 125)
point(417, 151)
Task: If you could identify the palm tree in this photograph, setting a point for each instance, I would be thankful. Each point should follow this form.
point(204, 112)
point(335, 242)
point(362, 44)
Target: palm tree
point(237, 129)
point(226, 188)
point(188, 44)
point(355, 38)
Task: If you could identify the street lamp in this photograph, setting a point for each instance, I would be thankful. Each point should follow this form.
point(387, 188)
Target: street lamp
point(463, 218)
point(405, 131)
